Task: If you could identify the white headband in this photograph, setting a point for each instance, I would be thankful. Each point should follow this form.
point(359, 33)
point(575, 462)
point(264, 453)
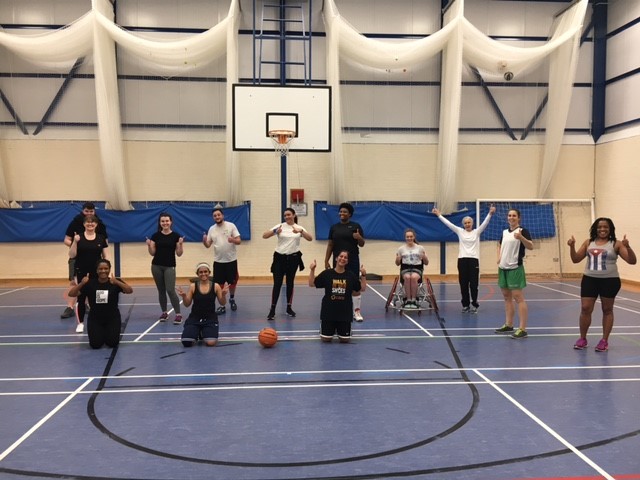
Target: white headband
point(202, 264)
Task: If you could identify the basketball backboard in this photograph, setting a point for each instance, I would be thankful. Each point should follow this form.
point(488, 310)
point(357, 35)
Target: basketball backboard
point(258, 109)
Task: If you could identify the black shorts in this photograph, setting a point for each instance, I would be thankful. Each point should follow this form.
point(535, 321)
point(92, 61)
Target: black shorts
point(329, 328)
point(225, 273)
point(592, 287)
point(406, 268)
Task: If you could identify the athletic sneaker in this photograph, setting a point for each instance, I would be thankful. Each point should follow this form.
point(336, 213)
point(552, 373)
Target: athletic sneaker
point(80, 328)
point(519, 333)
point(221, 310)
point(177, 320)
point(357, 315)
point(473, 309)
point(580, 344)
point(272, 313)
point(290, 312)
point(602, 346)
point(163, 317)
point(504, 329)
point(67, 313)
point(233, 305)
point(466, 310)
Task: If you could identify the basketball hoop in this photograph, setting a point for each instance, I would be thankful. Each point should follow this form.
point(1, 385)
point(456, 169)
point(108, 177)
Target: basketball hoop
point(281, 140)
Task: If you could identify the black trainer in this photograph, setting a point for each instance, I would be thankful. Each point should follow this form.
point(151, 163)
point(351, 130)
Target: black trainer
point(290, 312)
point(272, 313)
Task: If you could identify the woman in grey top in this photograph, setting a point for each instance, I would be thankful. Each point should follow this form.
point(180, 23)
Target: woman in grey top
point(600, 278)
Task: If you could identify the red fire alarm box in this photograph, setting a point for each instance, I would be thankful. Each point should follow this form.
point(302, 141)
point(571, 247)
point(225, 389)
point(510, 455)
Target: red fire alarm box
point(297, 195)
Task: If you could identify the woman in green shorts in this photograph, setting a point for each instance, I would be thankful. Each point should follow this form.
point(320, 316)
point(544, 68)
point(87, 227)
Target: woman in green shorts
point(511, 276)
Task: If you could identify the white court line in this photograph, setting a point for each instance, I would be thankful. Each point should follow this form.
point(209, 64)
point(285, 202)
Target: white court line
point(292, 337)
point(549, 430)
point(153, 326)
point(598, 301)
point(402, 313)
point(324, 372)
point(17, 443)
point(386, 383)
point(14, 290)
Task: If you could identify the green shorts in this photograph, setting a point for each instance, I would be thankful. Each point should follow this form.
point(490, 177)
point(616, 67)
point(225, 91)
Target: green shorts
point(512, 279)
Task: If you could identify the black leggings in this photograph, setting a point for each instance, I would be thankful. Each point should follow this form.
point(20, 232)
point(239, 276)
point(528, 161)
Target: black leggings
point(284, 266)
point(103, 331)
point(468, 275)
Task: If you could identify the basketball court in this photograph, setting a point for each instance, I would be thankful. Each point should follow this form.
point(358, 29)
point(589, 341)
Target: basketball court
point(435, 395)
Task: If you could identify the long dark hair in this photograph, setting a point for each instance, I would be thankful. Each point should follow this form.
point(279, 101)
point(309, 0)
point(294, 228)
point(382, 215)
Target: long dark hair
point(295, 215)
point(593, 231)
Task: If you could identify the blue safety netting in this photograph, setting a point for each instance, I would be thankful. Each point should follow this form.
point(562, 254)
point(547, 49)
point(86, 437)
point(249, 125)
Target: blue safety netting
point(388, 221)
point(48, 221)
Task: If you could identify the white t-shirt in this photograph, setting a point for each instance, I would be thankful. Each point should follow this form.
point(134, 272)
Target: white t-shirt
point(223, 250)
point(469, 246)
point(411, 256)
point(288, 242)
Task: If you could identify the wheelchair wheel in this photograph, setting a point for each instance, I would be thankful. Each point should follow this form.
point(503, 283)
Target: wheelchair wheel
point(431, 296)
point(391, 294)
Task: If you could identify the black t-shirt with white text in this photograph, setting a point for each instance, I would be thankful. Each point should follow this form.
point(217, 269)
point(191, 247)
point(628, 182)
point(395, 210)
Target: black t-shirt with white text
point(337, 304)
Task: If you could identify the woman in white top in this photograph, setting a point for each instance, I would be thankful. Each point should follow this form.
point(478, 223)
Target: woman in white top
point(287, 258)
point(468, 257)
point(411, 257)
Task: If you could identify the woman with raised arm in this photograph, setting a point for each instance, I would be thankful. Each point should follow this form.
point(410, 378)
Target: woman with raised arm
point(287, 258)
point(468, 257)
point(601, 278)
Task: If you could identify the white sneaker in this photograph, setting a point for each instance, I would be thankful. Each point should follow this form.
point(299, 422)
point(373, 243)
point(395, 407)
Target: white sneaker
point(357, 315)
point(80, 328)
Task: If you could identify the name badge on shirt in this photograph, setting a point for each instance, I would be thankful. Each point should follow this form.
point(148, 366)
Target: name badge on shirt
point(102, 296)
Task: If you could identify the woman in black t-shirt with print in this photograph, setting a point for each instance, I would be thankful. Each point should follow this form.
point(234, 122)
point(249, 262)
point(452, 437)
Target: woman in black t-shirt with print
point(339, 284)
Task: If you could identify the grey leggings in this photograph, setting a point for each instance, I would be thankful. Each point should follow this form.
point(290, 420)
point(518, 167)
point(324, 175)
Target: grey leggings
point(165, 278)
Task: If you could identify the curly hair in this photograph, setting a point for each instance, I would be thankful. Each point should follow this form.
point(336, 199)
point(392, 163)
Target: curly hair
point(593, 231)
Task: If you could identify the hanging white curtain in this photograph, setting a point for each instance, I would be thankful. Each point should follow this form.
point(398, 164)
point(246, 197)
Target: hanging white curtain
point(108, 109)
point(450, 98)
point(462, 42)
point(96, 33)
point(562, 73)
point(337, 189)
point(234, 186)
point(4, 192)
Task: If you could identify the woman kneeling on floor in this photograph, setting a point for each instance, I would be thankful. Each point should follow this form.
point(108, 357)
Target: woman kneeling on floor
point(202, 322)
point(104, 316)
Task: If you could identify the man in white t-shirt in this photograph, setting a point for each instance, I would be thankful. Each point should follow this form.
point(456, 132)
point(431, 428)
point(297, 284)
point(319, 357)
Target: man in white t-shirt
point(224, 236)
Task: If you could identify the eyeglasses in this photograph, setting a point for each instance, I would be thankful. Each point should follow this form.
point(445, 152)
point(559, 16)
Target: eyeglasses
point(203, 272)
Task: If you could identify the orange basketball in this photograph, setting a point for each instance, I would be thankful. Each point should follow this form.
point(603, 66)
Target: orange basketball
point(267, 337)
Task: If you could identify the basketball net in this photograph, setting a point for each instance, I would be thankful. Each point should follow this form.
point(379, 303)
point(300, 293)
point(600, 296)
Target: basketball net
point(281, 140)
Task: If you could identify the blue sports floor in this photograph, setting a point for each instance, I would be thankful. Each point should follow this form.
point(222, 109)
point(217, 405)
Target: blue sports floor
point(430, 396)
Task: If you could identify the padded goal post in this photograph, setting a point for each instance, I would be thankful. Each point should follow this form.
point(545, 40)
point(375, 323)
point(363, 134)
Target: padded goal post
point(551, 223)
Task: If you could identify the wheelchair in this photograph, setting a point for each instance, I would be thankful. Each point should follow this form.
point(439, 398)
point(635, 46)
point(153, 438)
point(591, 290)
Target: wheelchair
point(425, 297)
